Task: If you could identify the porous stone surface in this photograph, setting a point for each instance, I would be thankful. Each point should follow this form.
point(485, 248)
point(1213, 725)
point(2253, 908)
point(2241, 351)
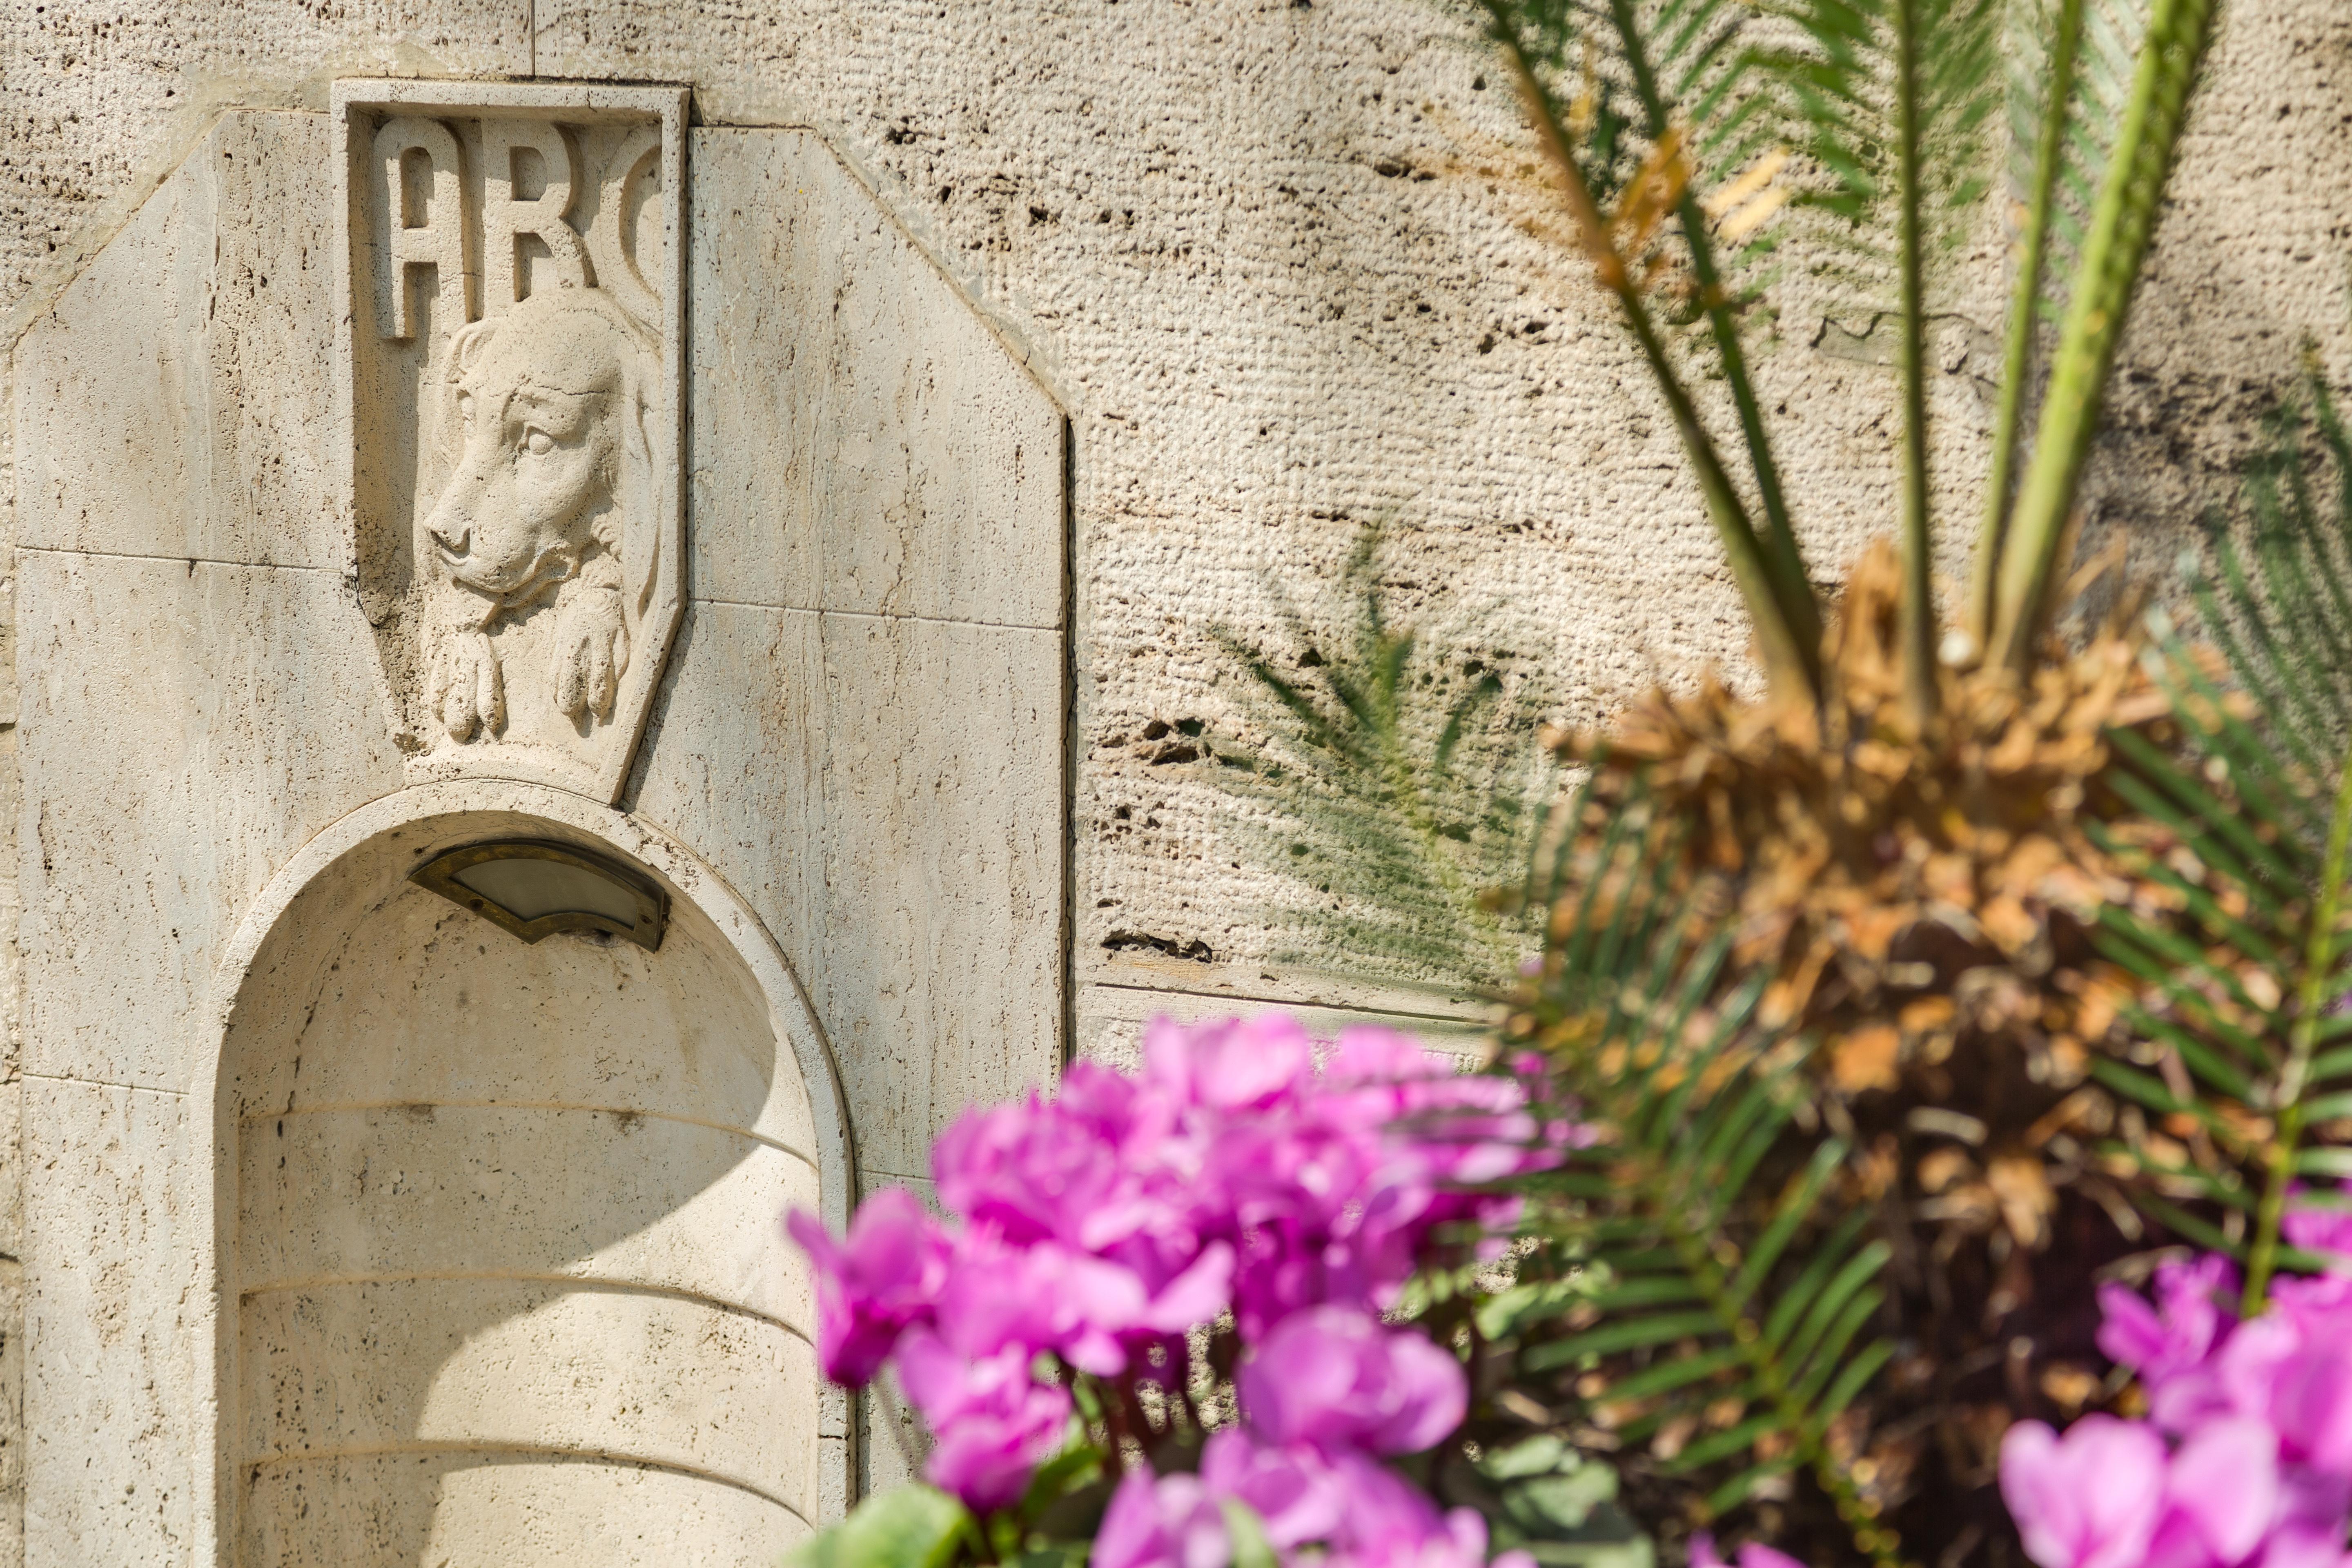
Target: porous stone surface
point(1250, 246)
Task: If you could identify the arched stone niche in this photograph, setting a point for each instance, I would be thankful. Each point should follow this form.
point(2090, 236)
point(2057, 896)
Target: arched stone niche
point(496, 1272)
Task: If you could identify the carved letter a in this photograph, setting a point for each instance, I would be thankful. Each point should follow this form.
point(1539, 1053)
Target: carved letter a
point(439, 240)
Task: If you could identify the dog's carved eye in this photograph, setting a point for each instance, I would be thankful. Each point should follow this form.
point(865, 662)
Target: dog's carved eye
point(539, 443)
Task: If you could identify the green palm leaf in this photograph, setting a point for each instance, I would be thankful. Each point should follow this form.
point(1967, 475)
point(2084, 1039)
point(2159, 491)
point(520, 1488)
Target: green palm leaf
point(2243, 976)
point(1651, 109)
point(1704, 1270)
point(1402, 790)
point(1870, 79)
point(2097, 91)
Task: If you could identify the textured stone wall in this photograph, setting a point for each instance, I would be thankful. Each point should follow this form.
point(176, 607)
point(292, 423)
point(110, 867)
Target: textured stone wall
point(1248, 245)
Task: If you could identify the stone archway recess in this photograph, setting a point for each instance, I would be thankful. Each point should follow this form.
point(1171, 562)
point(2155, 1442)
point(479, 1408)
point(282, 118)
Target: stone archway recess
point(267, 992)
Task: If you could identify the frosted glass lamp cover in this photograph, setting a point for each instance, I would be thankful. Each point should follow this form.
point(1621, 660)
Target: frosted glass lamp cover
point(534, 888)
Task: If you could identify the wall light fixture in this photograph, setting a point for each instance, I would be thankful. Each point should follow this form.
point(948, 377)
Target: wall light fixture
point(534, 888)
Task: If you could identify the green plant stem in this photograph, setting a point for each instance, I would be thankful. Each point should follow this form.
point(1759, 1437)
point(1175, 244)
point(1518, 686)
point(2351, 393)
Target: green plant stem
point(2024, 314)
point(1792, 662)
point(2315, 993)
point(1916, 627)
point(1786, 561)
point(2121, 226)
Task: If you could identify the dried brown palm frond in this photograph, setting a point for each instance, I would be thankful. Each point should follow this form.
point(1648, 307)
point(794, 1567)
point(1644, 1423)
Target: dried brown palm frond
point(1902, 890)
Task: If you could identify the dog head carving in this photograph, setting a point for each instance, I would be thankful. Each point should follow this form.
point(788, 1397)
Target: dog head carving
point(548, 424)
point(552, 492)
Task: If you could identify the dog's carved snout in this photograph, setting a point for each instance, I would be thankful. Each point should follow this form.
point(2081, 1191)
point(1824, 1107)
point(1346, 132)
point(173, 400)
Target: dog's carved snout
point(451, 523)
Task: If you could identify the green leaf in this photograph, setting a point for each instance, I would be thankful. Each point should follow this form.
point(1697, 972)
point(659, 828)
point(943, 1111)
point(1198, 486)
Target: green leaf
point(1676, 1373)
point(1716, 1211)
point(1396, 790)
point(907, 1527)
point(1563, 1501)
point(1501, 1316)
point(1536, 1456)
point(1064, 1473)
point(1633, 1333)
point(1246, 1533)
point(1054, 1554)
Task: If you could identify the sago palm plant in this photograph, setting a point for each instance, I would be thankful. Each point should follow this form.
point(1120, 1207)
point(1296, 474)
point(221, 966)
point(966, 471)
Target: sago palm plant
point(1907, 822)
point(1846, 963)
point(1812, 1317)
point(1690, 141)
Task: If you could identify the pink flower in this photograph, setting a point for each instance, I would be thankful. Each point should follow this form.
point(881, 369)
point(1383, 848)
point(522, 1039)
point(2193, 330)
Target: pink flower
point(2310, 1402)
point(886, 1275)
point(1390, 1523)
point(2321, 1227)
point(993, 1423)
point(2224, 1482)
point(1336, 1378)
point(1103, 1223)
point(1239, 1064)
point(2089, 1500)
point(1045, 1169)
point(1293, 1490)
point(1167, 1521)
point(2161, 1340)
point(1755, 1554)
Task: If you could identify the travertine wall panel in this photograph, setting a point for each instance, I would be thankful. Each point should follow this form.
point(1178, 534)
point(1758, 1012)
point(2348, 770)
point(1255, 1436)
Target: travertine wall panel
point(516, 1365)
point(550, 1511)
point(488, 1188)
point(737, 764)
point(939, 856)
point(864, 442)
point(110, 1285)
point(880, 765)
point(883, 788)
point(172, 782)
point(883, 775)
point(175, 402)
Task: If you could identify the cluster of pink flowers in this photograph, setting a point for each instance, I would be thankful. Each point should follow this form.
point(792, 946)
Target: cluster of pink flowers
point(2244, 1459)
point(1099, 1226)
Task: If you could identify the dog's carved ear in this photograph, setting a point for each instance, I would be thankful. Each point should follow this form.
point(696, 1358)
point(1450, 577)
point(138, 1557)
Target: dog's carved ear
point(465, 346)
point(640, 492)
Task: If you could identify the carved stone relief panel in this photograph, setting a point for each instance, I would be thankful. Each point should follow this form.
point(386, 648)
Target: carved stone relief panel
point(513, 344)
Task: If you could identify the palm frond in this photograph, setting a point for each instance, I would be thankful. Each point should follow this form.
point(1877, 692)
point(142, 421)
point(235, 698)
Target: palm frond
point(2121, 227)
point(2244, 973)
point(1706, 1286)
point(1656, 114)
point(2097, 92)
point(1406, 785)
point(1855, 72)
point(1628, 75)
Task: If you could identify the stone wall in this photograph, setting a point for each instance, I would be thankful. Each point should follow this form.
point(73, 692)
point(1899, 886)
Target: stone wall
point(1248, 248)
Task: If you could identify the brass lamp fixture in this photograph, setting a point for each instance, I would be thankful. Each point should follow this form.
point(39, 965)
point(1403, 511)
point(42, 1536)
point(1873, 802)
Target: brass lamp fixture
point(534, 888)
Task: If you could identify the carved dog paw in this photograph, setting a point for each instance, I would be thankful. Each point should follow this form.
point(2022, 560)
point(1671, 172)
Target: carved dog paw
point(591, 650)
point(467, 691)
